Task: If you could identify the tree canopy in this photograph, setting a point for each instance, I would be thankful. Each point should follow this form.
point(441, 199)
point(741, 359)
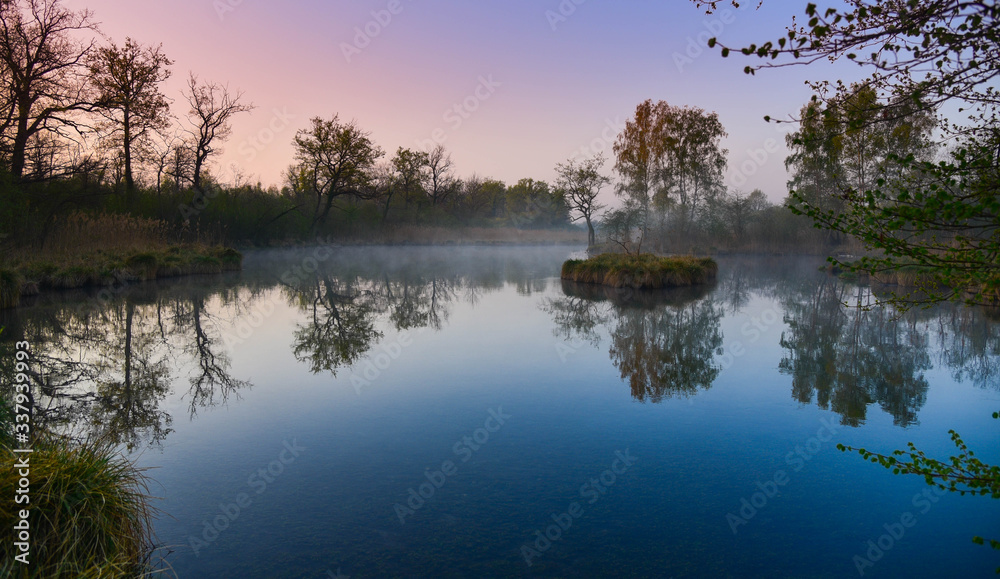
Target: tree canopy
point(870, 144)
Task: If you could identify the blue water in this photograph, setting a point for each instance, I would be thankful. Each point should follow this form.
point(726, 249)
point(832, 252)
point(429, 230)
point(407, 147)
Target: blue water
point(475, 377)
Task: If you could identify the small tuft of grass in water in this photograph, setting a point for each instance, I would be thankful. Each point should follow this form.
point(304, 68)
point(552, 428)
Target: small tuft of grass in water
point(230, 259)
point(90, 513)
point(206, 264)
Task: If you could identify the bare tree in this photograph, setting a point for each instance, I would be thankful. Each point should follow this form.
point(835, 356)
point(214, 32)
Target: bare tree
point(157, 154)
point(212, 107)
point(129, 98)
point(580, 184)
point(43, 66)
point(181, 163)
point(439, 182)
point(383, 186)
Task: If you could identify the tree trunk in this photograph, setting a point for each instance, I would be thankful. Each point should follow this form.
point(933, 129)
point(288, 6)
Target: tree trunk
point(127, 150)
point(20, 144)
point(199, 160)
point(321, 217)
point(385, 210)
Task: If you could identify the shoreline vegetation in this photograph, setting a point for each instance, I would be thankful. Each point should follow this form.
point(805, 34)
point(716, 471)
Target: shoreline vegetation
point(458, 235)
point(916, 280)
point(91, 514)
point(107, 268)
point(106, 250)
point(907, 276)
point(643, 271)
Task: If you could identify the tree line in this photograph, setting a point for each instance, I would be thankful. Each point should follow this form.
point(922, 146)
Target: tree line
point(87, 127)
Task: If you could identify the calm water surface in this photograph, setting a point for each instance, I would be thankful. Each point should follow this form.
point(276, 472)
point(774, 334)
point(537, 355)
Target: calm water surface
point(462, 413)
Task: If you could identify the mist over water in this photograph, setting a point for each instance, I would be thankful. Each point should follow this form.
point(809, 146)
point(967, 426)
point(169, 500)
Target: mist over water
point(462, 412)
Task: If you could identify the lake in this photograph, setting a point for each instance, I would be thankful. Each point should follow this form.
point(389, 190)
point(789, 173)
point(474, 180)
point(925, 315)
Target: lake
point(461, 412)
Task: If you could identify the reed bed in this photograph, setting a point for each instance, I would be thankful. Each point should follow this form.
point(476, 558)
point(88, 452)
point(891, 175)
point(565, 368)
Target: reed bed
point(11, 283)
point(906, 276)
point(85, 233)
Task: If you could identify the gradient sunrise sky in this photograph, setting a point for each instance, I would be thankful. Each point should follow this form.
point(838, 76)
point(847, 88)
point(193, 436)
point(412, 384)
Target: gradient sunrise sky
point(536, 81)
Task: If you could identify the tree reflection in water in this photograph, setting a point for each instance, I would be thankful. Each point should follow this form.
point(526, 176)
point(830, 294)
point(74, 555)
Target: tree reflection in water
point(663, 342)
point(848, 357)
point(840, 354)
point(103, 367)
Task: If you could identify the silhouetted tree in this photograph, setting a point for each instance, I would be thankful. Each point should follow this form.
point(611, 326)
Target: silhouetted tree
point(409, 169)
point(44, 71)
point(334, 159)
point(580, 184)
point(438, 180)
point(127, 80)
point(212, 108)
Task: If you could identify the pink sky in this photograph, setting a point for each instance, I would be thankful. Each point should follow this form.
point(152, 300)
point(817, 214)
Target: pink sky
point(551, 76)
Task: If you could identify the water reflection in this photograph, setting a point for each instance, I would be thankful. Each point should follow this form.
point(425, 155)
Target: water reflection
point(971, 345)
point(340, 324)
point(211, 383)
point(134, 379)
point(847, 358)
point(663, 342)
point(104, 366)
point(840, 354)
point(105, 363)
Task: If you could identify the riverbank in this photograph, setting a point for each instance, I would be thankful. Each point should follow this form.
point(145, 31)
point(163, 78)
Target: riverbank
point(30, 274)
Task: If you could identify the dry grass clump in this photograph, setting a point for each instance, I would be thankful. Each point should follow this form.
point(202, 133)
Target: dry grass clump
point(90, 513)
point(906, 276)
point(645, 271)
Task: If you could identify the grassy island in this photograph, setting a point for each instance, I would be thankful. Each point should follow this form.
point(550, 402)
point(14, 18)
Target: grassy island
point(644, 271)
